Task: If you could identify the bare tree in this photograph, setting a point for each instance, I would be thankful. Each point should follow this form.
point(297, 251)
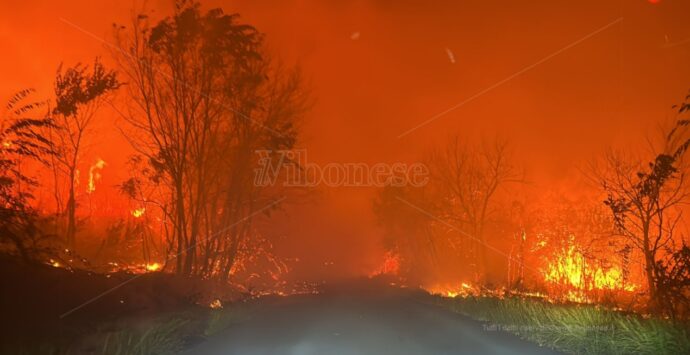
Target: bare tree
point(79, 93)
point(470, 177)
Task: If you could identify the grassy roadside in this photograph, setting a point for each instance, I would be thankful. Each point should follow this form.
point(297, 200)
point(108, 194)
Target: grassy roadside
point(154, 313)
point(165, 334)
point(576, 329)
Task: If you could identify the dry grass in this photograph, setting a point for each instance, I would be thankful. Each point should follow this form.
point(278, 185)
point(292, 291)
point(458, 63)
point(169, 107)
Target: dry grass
point(576, 329)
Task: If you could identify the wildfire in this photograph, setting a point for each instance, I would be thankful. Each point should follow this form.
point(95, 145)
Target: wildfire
point(571, 269)
point(135, 268)
point(95, 175)
point(464, 290)
point(216, 304)
point(577, 297)
point(390, 265)
point(138, 212)
point(153, 267)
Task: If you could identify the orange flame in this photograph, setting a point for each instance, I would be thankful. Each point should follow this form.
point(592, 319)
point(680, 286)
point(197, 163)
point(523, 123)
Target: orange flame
point(138, 212)
point(94, 175)
point(153, 267)
point(390, 266)
point(464, 290)
point(571, 269)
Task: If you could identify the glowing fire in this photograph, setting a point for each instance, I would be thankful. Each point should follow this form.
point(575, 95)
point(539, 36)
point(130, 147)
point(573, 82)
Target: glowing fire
point(138, 212)
point(390, 266)
point(464, 290)
point(153, 267)
point(570, 275)
point(140, 268)
point(571, 269)
point(95, 175)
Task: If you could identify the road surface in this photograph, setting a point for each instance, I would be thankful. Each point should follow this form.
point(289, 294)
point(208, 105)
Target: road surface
point(361, 320)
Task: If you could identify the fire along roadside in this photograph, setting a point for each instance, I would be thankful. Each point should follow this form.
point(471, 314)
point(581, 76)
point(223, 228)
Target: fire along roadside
point(296, 171)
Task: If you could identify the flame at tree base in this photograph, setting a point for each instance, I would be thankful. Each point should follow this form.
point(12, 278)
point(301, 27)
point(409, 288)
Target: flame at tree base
point(390, 265)
point(568, 277)
point(571, 270)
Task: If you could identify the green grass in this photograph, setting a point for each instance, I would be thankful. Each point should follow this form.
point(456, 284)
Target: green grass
point(166, 337)
point(162, 338)
point(161, 335)
point(577, 329)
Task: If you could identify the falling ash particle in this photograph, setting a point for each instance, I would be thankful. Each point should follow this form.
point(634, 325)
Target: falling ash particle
point(451, 56)
point(354, 36)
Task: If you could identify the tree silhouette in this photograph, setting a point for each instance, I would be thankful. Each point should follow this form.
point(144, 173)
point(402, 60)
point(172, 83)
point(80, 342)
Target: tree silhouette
point(79, 93)
point(409, 232)
point(204, 99)
point(645, 200)
point(470, 177)
point(21, 141)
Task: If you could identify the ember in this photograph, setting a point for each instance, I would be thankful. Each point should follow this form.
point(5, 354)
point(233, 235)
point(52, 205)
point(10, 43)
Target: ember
point(137, 213)
point(216, 304)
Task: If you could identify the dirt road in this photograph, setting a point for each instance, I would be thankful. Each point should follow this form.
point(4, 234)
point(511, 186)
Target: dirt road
point(361, 319)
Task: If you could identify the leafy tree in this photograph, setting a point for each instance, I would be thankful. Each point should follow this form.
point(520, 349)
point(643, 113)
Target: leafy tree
point(21, 142)
point(673, 283)
point(79, 94)
point(204, 99)
point(645, 200)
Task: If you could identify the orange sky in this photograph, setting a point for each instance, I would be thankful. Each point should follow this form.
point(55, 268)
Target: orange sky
point(605, 90)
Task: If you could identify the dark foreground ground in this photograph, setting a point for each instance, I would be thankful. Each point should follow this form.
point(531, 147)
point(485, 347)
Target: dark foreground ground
point(361, 318)
point(51, 310)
